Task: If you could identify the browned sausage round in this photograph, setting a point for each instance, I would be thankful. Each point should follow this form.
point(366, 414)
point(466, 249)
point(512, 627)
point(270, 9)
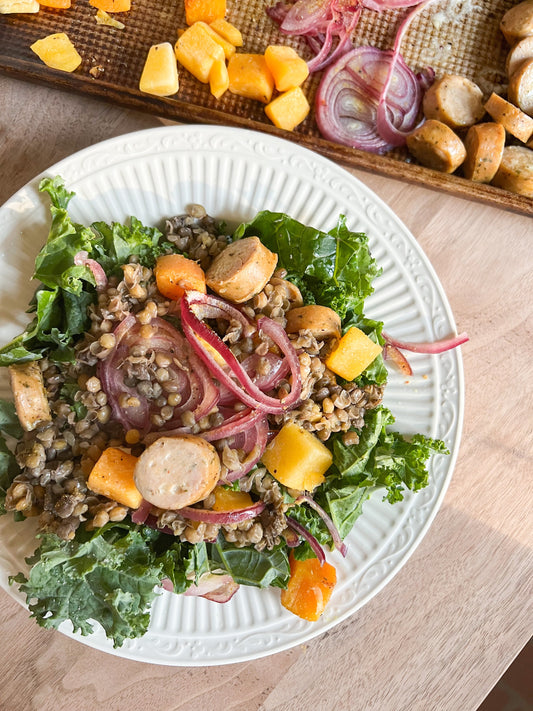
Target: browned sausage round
point(484, 145)
point(518, 22)
point(241, 270)
point(520, 90)
point(514, 121)
point(174, 472)
point(321, 321)
point(436, 146)
point(454, 100)
point(516, 171)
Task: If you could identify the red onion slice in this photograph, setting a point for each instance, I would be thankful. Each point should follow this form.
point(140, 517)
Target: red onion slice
point(347, 99)
point(140, 515)
point(388, 129)
point(337, 540)
point(100, 277)
point(380, 5)
point(397, 357)
point(214, 587)
point(222, 517)
point(191, 378)
point(302, 531)
point(242, 386)
point(434, 347)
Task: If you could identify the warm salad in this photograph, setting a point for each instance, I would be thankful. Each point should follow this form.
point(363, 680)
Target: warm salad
point(197, 411)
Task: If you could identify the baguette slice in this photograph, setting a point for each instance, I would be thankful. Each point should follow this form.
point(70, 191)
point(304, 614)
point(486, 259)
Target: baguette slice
point(516, 171)
point(513, 119)
point(484, 145)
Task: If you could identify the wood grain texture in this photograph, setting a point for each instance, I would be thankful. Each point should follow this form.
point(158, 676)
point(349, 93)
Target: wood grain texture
point(443, 631)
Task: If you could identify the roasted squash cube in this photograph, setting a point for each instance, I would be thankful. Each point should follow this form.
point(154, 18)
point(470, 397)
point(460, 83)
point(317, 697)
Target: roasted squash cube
point(160, 74)
point(12, 7)
point(111, 5)
point(58, 52)
point(287, 67)
point(230, 33)
point(310, 587)
point(229, 500)
point(229, 49)
point(112, 476)
point(352, 354)
point(218, 79)
point(250, 77)
point(289, 109)
point(296, 458)
point(204, 10)
point(197, 52)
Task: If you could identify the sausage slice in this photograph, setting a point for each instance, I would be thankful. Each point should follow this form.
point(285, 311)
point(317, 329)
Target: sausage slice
point(322, 321)
point(484, 145)
point(513, 119)
point(436, 146)
point(517, 22)
point(518, 54)
point(520, 90)
point(174, 472)
point(454, 100)
point(31, 402)
point(241, 270)
point(516, 171)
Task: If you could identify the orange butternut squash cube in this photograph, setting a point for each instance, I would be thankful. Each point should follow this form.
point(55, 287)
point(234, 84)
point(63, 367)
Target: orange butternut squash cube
point(204, 10)
point(58, 4)
point(289, 109)
point(309, 589)
point(160, 73)
point(229, 500)
point(112, 476)
point(287, 67)
point(229, 49)
point(352, 354)
point(58, 52)
point(197, 51)
point(218, 79)
point(111, 5)
point(296, 458)
point(12, 7)
point(249, 76)
point(230, 33)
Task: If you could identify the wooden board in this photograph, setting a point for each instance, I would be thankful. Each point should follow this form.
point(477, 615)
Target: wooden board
point(452, 36)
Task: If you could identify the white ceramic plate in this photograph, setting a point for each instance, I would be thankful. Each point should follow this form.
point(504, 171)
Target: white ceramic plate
point(235, 173)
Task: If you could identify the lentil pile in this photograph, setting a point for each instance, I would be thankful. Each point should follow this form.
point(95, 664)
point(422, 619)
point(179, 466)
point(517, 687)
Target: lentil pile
point(57, 457)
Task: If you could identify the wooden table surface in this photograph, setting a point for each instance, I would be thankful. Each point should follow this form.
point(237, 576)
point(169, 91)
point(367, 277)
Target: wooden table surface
point(444, 630)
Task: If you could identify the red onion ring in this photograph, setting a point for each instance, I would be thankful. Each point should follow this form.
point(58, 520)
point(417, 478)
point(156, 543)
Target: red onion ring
point(380, 5)
point(302, 531)
point(81, 258)
point(337, 540)
point(348, 97)
point(200, 394)
point(141, 514)
point(214, 587)
point(245, 389)
point(435, 347)
point(386, 126)
point(222, 517)
point(397, 357)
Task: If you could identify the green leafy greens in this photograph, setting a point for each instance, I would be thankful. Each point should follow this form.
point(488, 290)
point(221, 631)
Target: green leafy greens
point(67, 289)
